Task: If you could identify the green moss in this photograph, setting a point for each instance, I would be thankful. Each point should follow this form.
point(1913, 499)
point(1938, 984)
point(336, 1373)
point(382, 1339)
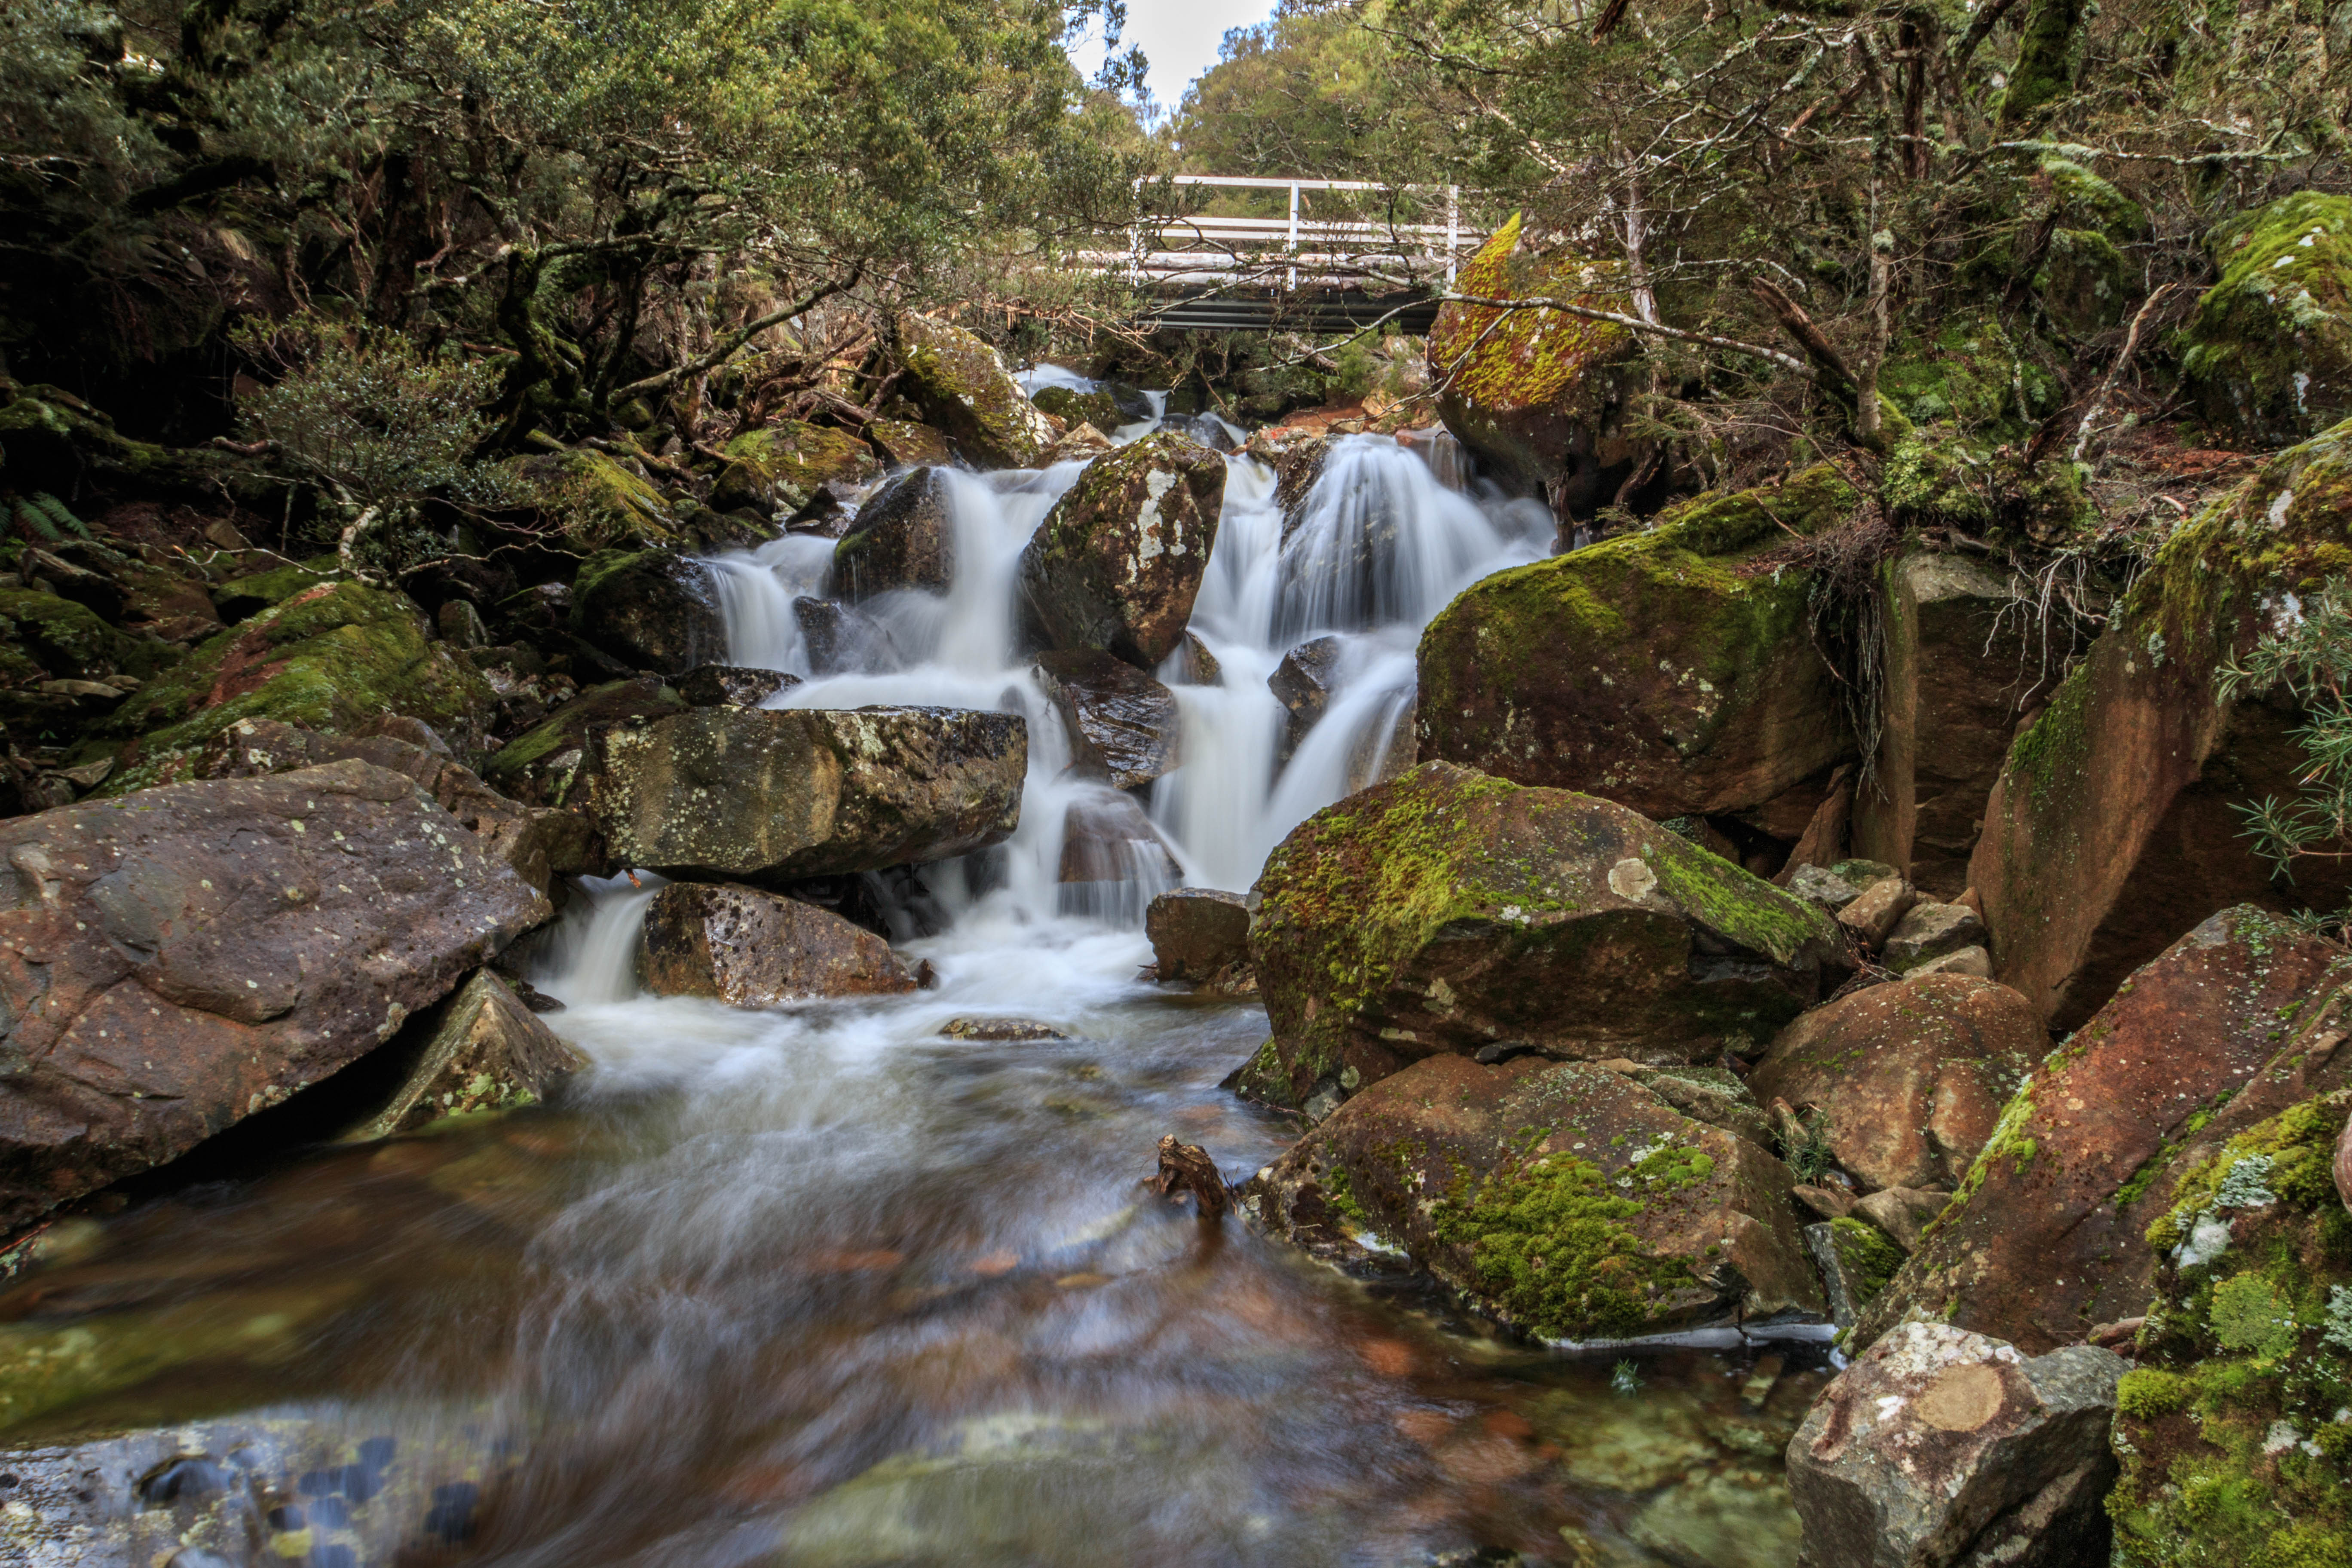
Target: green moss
point(2248, 1314)
point(2269, 350)
point(1097, 408)
point(1550, 1247)
point(2149, 1392)
point(965, 391)
point(781, 465)
point(242, 596)
point(69, 641)
point(1508, 362)
point(1869, 1259)
point(600, 501)
point(1725, 523)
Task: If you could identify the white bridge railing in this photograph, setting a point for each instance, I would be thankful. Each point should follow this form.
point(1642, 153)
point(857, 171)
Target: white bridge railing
point(1294, 251)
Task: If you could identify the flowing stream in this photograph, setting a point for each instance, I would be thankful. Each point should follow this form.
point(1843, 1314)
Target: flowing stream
point(841, 1285)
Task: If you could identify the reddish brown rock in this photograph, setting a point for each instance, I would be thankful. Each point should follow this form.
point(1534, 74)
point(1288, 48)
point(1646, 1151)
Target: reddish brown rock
point(175, 960)
point(1122, 724)
point(1107, 840)
point(1908, 1077)
point(2115, 826)
point(2344, 1167)
point(1117, 562)
point(2047, 1236)
point(751, 949)
point(1200, 935)
point(1564, 1199)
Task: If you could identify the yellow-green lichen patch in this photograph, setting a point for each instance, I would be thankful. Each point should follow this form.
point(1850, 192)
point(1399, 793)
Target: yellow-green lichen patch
point(1868, 1258)
point(1503, 362)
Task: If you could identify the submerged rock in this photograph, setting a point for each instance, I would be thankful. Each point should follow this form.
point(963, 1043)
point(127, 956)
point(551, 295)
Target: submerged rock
point(175, 962)
point(964, 391)
point(1908, 1079)
point(765, 795)
point(1447, 912)
point(1302, 683)
point(2115, 826)
point(650, 610)
point(904, 539)
point(1650, 669)
point(1121, 722)
point(1564, 1199)
point(2245, 1361)
point(751, 949)
point(842, 640)
point(1117, 562)
point(2047, 1236)
point(480, 1049)
point(1945, 1446)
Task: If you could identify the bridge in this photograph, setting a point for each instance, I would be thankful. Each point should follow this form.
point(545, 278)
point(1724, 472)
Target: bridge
point(1296, 272)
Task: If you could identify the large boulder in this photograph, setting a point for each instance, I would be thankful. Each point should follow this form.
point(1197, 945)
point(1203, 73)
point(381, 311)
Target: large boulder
point(481, 1050)
point(751, 949)
point(760, 794)
point(1447, 912)
point(1566, 1200)
point(173, 961)
point(330, 658)
point(649, 609)
point(841, 639)
point(1908, 1079)
point(2269, 351)
point(780, 467)
point(1117, 562)
point(964, 391)
point(904, 538)
point(1962, 661)
point(1650, 669)
point(1200, 935)
point(1122, 723)
point(1947, 1447)
point(540, 765)
point(1536, 393)
point(2047, 1236)
point(2117, 824)
point(2231, 1429)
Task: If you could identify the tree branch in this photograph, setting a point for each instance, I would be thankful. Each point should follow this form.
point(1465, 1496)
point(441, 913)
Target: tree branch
point(1635, 323)
point(736, 340)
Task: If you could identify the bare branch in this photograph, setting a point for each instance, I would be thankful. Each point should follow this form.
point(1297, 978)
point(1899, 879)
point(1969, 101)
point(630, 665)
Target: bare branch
point(737, 339)
point(1635, 323)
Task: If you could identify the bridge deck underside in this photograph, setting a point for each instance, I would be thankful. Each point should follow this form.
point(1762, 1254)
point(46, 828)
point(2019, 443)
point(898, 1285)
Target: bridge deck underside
point(1303, 311)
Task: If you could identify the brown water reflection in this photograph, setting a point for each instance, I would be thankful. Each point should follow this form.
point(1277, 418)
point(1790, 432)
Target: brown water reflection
point(828, 1290)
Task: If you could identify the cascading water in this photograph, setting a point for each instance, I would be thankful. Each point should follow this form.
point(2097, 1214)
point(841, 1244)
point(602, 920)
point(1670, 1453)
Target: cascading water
point(844, 1286)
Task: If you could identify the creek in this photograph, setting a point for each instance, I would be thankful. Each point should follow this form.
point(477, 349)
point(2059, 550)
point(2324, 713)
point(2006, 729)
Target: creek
point(832, 1286)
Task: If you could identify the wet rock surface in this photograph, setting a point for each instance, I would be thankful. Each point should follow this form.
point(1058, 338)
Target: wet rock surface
point(904, 539)
point(1302, 683)
point(966, 394)
point(1122, 724)
point(480, 1049)
point(726, 685)
point(1564, 1199)
point(1447, 912)
point(1907, 1080)
point(183, 958)
point(650, 610)
point(2048, 1234)
point(1117, 562)
point(754, 949)
point(1942, 1445)
point(761, 795)
point(840, 639)
point(1200, 935)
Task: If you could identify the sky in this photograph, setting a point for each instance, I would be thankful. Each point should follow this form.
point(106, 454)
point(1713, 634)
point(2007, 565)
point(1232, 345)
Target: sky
point(1180, 37)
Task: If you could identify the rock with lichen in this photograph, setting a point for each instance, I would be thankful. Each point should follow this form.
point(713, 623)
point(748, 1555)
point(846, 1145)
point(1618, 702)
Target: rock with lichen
point(1118, 561)
point(2269, 351)
point(1446, 912)
point(649, 609)
point(479, 1052)
point(966, 393)
point(1536, 393)
point(778, 467)
point(2047, 1234)
point(1566, 1200)
point(2116, 821)
point(2232, 1429)
point(1667, 670)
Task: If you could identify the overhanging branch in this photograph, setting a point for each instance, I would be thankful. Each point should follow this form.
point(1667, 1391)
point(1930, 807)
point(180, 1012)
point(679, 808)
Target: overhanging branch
point(737, 339)
point(1632, 323)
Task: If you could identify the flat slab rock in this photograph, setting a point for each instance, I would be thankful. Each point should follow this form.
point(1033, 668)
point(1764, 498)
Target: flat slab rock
point(1943, 1447)
point(752, 949)
point(745, 793)
point(1564, 1199)
point(175, 960)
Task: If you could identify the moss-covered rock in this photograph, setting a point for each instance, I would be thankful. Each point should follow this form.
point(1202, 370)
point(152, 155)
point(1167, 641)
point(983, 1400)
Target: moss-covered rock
point(1118, 561)
point(2114, 825)
point(68, 641)
point(963, 389)
point(2047, 1234)
point(1098, 408)
point(650, 610)
point(1535, 392)
point(539, 766)
point(1566, 1200)
point(604, 504)
point(1972, 372)
point(2269, 351)
point(2232, 1430)
point(257, 590)
point(904, 539)
point(1448, 911)
point(330, 658)
point(1651, 670)
point(778, 467)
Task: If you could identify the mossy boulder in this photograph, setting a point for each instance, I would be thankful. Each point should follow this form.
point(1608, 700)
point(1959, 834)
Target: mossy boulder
point(330, 658)
point(649, 609)
point(1565, 1200)
point(1536, 393)
point(2232, 1430)
point(69, 642)
point(965, 392)
point(1973, 373)
point(540, 765)
point(1098, 408)
point(780, 467)
point(2115, 824)
point(257, 590)
point(52, 440)
point(2269, 351)
point(906, 443)
point(602, 502)
point(1657, 670)
point(1118, 561)
point(1445, 912)
point(2047, 1236)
